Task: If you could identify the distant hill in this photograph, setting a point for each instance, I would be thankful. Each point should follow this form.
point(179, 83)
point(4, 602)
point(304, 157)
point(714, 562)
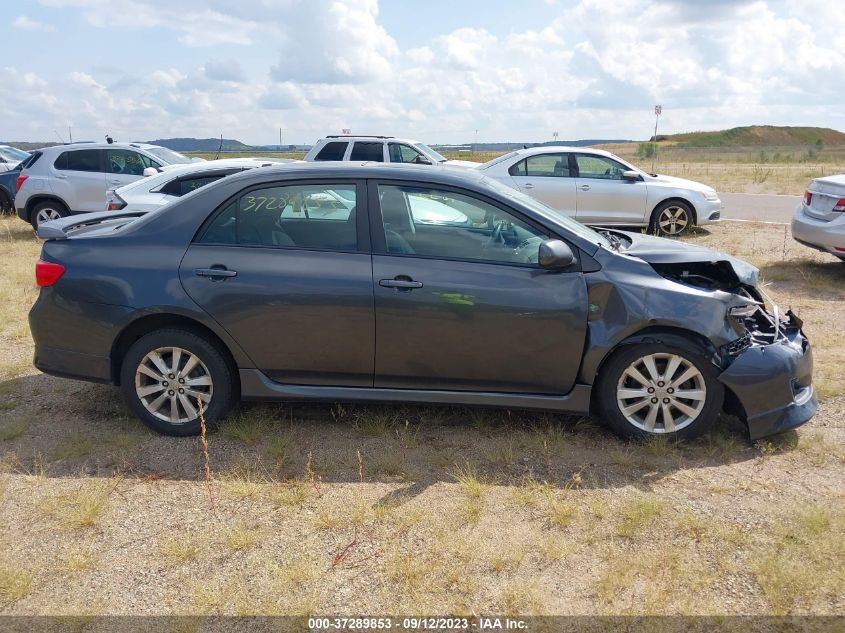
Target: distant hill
point(757, 135)
point(201, 144)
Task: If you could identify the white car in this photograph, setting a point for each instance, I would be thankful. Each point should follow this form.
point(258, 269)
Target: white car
point(598, 188)
point(819, 221)
point(380, 149)
point(11, 157)
point(173, 182)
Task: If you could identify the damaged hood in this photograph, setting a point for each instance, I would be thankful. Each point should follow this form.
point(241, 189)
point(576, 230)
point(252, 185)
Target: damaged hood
point(659, 250)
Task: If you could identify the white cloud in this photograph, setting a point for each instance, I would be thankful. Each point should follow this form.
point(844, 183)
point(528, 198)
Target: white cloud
point(317, 66)
point(25, 23)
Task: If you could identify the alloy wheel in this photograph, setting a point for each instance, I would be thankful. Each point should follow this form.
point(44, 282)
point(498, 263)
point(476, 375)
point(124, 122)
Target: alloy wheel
point(673, 220)
point(169, 382)
point(661, 393)
point(45, 215)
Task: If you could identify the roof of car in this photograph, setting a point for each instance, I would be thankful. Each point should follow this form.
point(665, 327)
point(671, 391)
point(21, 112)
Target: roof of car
point(367, 137)
point(98, 145)
point(440, 174)
point(554, 149)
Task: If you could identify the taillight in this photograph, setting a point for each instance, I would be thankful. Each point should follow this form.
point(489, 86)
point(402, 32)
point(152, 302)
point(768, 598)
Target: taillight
point(840, 205)
point(808, 198)
point(47, 273)
point(116, 203)
point(21, 180)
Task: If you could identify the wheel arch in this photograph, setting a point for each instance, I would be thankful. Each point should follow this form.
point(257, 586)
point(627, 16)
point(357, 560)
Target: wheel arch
point(151, 322)
point(37, 199)
point(667, 335)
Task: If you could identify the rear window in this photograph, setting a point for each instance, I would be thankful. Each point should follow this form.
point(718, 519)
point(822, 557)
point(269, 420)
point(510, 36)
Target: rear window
point(181, 186)
point(29, 162)
point(332, 151)
point(367, 151)
point(79, 160)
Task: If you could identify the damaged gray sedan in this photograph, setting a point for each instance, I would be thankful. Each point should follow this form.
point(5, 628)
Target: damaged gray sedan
point(336, 282)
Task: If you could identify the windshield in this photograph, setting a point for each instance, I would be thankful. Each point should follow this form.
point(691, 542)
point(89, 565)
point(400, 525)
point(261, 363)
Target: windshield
point(13, 154)
point(579, 229)
point(438, 158)
point(168, 156)
point(498, 160)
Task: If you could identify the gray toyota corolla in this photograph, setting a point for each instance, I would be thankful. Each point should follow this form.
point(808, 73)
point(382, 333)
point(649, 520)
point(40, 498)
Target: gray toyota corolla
point(370, 282)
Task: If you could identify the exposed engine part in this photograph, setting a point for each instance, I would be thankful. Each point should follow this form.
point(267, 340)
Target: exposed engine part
point(717, 275)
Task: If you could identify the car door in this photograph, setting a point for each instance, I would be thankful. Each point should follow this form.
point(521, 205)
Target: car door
point(604, 196)
point(285, 268)
point(461, 303)
point(547, 178)
point(79, 180)
point(125, 165)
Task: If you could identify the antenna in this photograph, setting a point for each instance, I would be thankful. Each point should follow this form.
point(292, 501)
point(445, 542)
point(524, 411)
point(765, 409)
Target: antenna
point(70, 134)
point(219, 149)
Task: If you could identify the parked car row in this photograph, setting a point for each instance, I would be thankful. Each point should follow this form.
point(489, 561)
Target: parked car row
point(592, 186)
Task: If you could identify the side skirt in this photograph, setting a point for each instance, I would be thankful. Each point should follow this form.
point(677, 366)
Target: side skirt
point(256, 386)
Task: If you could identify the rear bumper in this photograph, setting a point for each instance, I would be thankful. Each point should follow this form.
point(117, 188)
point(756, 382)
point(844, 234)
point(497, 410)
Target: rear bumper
point(774, 384)
point(71, 364)
point(824, 236)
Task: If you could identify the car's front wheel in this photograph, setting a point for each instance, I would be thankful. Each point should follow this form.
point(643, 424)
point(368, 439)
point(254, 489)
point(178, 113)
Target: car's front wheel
point(46, 211)
point(170, 376)
point(672, 218)
point(654, 389)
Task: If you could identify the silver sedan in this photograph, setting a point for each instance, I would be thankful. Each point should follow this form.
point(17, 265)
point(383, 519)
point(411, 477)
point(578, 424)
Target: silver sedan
point(598, 188)
point(819, 221)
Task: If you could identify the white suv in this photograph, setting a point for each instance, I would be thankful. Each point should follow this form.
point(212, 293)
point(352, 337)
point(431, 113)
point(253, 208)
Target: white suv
point(64, 179)
point(380, 149)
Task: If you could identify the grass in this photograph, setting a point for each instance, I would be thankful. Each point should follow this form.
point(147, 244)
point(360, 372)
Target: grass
point(15, 582)
point(561, 513)
point(241, 537)
point(80, 508)
point(73, 446)
point(14, 429)
point(78, 560)
point(636, 514)
point(177, 551)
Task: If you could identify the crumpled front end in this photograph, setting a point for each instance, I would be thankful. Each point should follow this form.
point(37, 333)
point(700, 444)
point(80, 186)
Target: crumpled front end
point(770, 373)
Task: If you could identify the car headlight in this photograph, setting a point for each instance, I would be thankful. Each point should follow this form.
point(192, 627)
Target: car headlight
point(710, 196)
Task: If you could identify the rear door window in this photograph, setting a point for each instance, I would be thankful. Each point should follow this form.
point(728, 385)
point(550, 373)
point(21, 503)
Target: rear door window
point(401, 153)
point(79, 160)
point(332, 151)
point(127, 162)
point(367, 150)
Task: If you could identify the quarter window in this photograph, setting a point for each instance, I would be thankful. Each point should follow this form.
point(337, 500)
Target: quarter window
point(449, 225)
point(599, 167)
point(367, 151)
point(79, 160)
point(295, 216)
point(332, 151)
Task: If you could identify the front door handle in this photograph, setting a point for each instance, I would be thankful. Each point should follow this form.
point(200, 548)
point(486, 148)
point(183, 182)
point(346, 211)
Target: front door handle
point(216, 273)
point(584, 187)
point(528, 185)
point(114, 182)
point(400, 282)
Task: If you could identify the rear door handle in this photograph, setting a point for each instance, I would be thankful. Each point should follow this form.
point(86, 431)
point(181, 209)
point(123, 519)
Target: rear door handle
point(114, 182)
point(528, 185)
point(402, 282)
point(217, 273)
point(584, 187)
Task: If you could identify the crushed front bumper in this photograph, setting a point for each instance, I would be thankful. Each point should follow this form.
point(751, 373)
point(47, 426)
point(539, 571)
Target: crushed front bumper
point(774, 384)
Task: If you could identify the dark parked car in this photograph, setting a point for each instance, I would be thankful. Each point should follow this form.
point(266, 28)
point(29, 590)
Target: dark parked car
point(326, 281)
point(8, 186)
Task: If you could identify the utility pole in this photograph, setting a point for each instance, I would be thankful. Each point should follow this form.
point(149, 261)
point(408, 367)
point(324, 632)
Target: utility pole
point(70, 134)
point(658, 110)
point(475, 145)
point(280, 139)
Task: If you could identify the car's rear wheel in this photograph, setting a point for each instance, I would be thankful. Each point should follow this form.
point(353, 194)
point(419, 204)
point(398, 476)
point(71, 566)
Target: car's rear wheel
point(46, 211)
point(654, 389)
point(169, 377)
point(672, 218)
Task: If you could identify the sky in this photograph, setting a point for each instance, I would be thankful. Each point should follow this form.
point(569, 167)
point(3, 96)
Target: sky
point(439, 71)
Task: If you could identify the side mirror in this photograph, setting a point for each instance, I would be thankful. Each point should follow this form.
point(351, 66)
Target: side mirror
point(422, 160)
point(631, 175)
point(555, 254)
point(150, 171)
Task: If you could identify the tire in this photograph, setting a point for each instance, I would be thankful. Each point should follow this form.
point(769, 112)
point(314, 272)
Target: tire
point(642, 417)
point(48, 210)
point(672, 218)
point(150, 392)
point(6, 204)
